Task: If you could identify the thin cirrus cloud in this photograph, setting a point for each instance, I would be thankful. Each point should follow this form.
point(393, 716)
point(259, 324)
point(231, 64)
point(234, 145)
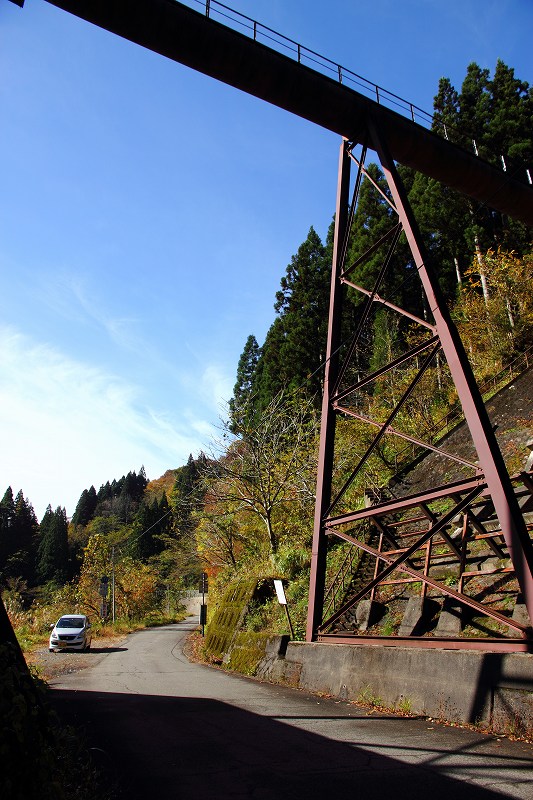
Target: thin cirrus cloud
point(119, 329)
point(216, 386)
point(67, 425)
point(70, 295)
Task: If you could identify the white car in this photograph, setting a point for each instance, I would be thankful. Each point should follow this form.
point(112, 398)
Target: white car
point(72, 631)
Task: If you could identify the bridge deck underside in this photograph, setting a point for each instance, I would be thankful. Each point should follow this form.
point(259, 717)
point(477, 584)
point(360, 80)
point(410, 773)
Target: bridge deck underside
point(190, 38)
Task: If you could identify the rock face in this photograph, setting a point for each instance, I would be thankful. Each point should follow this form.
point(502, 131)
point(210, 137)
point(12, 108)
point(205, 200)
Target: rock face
point(511, 413)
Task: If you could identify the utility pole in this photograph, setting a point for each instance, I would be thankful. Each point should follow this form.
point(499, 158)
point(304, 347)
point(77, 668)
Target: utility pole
point(203, 607)
point(113, 583)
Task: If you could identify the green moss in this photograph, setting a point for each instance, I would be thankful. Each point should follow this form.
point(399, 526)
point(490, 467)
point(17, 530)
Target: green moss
point(228, 617)
point(247, 651)
point(241, 624)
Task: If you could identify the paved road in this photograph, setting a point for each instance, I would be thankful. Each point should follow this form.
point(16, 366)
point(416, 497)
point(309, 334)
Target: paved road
point(173, 729)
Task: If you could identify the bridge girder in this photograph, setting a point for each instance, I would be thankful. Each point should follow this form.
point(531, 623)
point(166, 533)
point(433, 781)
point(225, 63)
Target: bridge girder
point(203, 44)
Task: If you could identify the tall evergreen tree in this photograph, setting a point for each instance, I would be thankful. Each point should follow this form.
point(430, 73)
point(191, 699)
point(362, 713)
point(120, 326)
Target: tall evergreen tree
point(303, 302)
point(510, 129)
point(294, 347)
point(7, 529)
point(85, 507)
point(446, 112)
point(272, 374)
point(26, 527)
point(121, 498)
point(186, 496)
point(496, 114)
point(441, 216)
point(474, 107)
point(52, 552)
point(442, 213)
point(18, 526)
point(242, 400)
point(510, 136)
point(104, 493)
point(151, 523)
point(373, 220)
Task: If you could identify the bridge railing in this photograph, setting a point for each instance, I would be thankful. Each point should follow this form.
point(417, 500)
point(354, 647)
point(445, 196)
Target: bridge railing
point(303, 55)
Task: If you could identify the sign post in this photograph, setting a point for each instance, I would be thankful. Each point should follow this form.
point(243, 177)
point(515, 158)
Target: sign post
point(103, 592)
point(203, 608)
point(282, 600)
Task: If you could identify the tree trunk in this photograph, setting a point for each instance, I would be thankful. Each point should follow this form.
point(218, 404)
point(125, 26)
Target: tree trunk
point(510, 314)
point(481, 268)
point(458, 272)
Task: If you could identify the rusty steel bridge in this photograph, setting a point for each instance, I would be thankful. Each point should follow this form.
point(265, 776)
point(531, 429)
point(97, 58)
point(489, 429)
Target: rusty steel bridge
point(407, 538)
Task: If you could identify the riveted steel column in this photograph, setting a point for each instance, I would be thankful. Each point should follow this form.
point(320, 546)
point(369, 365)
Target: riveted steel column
point(491, 461)
point(327, 425)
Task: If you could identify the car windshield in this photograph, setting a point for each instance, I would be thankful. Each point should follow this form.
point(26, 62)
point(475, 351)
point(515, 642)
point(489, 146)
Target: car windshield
point(70, 622)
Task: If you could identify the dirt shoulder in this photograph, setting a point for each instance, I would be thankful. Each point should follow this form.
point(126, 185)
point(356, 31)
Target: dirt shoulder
point(52, 665)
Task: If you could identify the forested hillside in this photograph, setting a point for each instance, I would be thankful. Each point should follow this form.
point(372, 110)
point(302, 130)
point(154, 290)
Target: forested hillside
point(247, 507)
point(131, 529)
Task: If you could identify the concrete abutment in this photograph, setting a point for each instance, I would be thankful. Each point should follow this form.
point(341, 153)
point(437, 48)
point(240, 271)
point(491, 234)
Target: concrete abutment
point(463, 686)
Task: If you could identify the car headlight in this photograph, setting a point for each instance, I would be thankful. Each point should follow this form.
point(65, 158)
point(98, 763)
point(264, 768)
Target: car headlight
point(54, 636)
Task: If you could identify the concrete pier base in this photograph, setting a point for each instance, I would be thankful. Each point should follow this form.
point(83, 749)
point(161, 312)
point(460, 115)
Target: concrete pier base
point(465, 686)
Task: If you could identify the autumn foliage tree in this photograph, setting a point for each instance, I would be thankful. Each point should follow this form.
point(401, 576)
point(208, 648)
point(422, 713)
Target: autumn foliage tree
point(497, 323)
point(266, 472)
point(135, 583)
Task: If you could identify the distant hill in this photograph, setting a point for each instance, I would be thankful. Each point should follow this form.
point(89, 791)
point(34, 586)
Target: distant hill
point(159, 486)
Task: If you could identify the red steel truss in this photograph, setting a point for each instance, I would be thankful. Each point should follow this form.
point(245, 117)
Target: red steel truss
point(413, 538)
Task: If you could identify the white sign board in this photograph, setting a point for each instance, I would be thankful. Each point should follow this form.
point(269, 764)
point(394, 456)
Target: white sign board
point(282, 600)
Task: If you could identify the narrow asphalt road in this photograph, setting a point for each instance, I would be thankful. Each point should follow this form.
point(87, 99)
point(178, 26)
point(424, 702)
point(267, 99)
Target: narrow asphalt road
point(174, 729)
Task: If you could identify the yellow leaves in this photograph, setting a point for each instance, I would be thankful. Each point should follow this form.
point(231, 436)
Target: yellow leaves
point(135, 582)
point(135, 585)
point(498, 324)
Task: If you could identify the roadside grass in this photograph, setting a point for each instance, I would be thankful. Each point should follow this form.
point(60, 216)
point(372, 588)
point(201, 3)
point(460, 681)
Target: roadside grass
point(32, 636)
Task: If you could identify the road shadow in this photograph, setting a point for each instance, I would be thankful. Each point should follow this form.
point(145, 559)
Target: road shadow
point(182, 747)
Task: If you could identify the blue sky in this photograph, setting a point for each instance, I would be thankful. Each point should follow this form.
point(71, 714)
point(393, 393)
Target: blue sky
point(147, 214)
